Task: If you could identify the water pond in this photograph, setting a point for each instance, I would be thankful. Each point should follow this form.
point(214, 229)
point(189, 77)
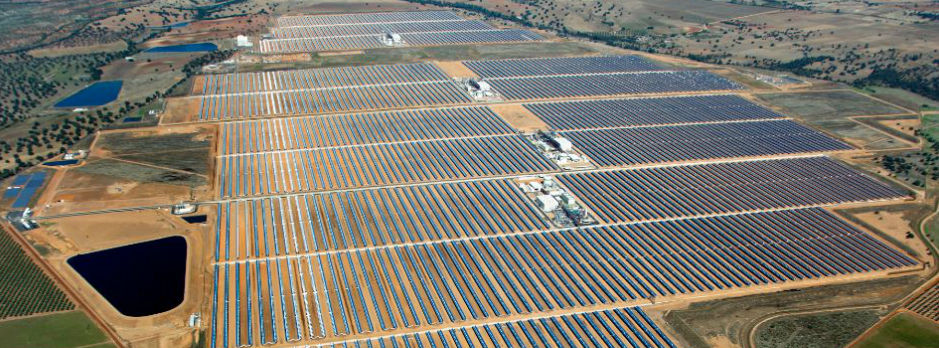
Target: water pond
point(96, 94)
point(138, 279)
point(196, 47)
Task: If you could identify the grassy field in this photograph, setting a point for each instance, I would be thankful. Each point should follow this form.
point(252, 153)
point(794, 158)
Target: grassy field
point(139, 173)
point(931, 230)
point(903, 98)
point(193, 161)
point(60, 330)
point(815, 330)
point(29, 23)
point(930, 125)
point(181, 151)
point(122, 144)
point(828, 105)
point(830, 111)
point(903, 331)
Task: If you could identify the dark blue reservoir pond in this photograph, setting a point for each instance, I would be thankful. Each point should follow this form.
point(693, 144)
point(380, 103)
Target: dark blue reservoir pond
point(196, 47)
point(139, 279)
point(97, 94)
point(60, 163)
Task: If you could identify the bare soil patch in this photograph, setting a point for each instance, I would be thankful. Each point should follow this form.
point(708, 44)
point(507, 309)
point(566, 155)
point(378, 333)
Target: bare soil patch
point(456, 69)
point(519, 117)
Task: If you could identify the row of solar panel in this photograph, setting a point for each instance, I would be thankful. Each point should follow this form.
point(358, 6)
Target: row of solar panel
point(625, 327)
point(638, 112)
point(341, 43)
point(333, 100)
point(365, 18)
point(469, 37)
point(319, 78)
point(377, 29)
point(359, 129)
point(568, 86)
point(648, 145)
point(715, 188)
point(376, 165)
point(496, 69)
point(366, 218)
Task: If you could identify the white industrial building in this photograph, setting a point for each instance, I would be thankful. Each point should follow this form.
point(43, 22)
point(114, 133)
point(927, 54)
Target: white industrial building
point(547, 203)
point(563, 144)
point(392, 39)
point(243, 41)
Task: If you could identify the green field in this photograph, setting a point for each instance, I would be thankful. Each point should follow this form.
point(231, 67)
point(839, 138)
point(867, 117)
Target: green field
point(930, 125)
point(61, 330)
point(820, 106)
point(903, 331)
point(831, 110)
point(903, 98)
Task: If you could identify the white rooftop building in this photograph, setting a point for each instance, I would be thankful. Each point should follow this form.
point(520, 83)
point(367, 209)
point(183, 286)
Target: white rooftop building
point(547, 203)
point(392, 39)
point(184, 208)
point(243, 41)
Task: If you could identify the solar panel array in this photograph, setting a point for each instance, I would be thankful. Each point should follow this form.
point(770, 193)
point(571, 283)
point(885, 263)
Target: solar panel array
point(679, 191)
point(438, 38)
point(318, 44)
point(569, 86)
point(355, 225)
point(364, 31)
point(377, 28)
point(330, 100)
point(625, 327)
point(608, 113)
point(326, 90)
point(334, 168)
point(559, 66)
point(289, 80)
point(541, 78)
point(375, 217)
point(359, 129)
point(470, 37)
point(364, 18)
point(23, 188)
point(647, 145)
point(389, 288)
